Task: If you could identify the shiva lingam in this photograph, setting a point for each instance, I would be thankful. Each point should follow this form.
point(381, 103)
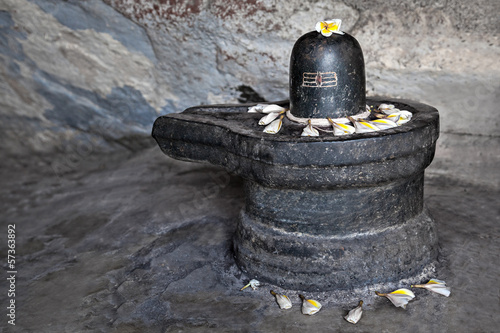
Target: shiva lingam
point(333, 181)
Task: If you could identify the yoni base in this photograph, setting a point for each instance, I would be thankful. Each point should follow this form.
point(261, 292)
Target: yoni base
point(335, 239)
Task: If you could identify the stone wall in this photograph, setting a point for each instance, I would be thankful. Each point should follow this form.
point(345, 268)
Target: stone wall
point(91, 76)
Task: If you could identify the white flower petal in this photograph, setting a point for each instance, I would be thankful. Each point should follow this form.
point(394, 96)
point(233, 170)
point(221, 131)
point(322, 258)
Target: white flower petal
point(404, 117)
point(274, 127)
point(282, 300)
point(400, 297)
point(268, 118)
point(385, 107)
point(309, 130)
point(391, 111)
point(437, 286)
point(253, 283)
point(399, 300)
point(318, 26)
point(440, 289)
point(394, 117)
point(355, 314)
point(309, 306)
point(273, 108)
point(365, 127)
point(384, 123)
point(341, 128)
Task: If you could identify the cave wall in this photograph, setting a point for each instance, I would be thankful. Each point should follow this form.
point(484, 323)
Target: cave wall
point(92, 76)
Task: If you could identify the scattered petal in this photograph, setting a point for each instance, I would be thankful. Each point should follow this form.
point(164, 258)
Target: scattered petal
point(327, 28)
point(268, 118)
point(309, 130)
point(435, 285)
point(256, 108)
point(355, 314)
point(384, 123)
point(253, 283)
point(275, 126)
point(309, 306)
point(273, 108)
point(282, 300)
point(340, 128)
point(399, 297)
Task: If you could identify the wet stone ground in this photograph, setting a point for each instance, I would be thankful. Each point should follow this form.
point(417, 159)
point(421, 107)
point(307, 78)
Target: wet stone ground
point(142, 243)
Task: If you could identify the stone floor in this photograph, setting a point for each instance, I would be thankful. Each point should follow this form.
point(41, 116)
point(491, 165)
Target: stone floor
point(141, 243)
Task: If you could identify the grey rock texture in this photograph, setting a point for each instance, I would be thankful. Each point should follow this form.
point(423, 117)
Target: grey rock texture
point(93, 75)
point(141, 243)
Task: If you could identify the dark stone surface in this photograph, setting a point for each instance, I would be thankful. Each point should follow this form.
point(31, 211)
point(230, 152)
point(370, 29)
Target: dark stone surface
point(300, 261)
point(336, 213)
point(142, 243)
point(230, 137)
point(327, 76)
point(317, 208)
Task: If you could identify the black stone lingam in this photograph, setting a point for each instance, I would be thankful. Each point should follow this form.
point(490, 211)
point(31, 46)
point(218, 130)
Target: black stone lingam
point(328, 212)
point(327, 76)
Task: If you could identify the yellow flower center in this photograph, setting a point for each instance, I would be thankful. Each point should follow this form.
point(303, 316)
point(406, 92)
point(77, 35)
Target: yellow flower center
point(326, 27)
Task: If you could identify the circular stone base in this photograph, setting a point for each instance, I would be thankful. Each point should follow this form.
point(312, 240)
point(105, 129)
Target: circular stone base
point(299, 261)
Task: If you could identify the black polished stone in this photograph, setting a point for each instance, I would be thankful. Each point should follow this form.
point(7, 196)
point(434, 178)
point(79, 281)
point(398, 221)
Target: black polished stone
point(327, 76)
point(321, 213)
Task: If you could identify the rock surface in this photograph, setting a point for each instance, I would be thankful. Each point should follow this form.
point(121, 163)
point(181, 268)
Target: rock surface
point(142, 243)
point(136, 242)
point(80, 75)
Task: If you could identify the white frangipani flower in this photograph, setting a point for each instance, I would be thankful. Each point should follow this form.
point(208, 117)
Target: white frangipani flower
point(340, 128)
point(404, 117)
point(275, 126)
point(387, 108)
point(363, 126)
point(399, 297)
point(355, 314)
point(394, 117)
point(309, 130)
point(435, 285)
point(384, 123)
point(398, 116)
point(256, 108)
point(254, 284)
point(309, 306)
point(273, 108)
point(268, 118)
point(327, 28)
point(282, 300)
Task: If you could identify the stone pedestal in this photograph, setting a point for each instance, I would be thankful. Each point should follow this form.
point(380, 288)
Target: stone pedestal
point(322, 213)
